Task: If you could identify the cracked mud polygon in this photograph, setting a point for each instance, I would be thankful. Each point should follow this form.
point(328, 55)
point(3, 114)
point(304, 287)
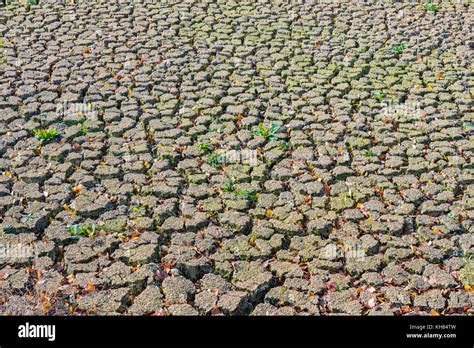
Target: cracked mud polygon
point(236, 158)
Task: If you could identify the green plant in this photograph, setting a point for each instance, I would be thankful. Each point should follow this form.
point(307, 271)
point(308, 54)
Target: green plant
point(85, 230)
point(283, 145)
point(73, 122)
point(218, 130)
point(378, 96)
point(27, 217)
point(84, 129)
point(246, 194)
point(9, 229)
point(214, 159)
point(356, 104)
point(368, 153)
point(398, 48)
point(45, 135)
point(345, 196)
point(204, 147)
point(228, 185)
point(137, 207)
point(269, 133)
point(431, 6)
point(434, 8)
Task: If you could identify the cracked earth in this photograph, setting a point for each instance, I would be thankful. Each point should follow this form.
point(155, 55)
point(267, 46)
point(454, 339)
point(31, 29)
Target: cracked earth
point(236, 158)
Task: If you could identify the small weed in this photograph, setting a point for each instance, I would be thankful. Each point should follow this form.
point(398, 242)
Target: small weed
point(345, 196)
point(27, 217)
point(228, 185)
point(9, 229)
point(378, 96)
point(78, 230)
point(283, 145)
point(432, 7)
point(252, 239)
point(137, 207)
point(214, 159)
point(45, 135)
point(246, 194)
point(218, 130)
point(356, 104)
point(368, 153)
point(398, 48)
point(73, 122)
point(84, 129)
point(204, 147)
point(269, 133)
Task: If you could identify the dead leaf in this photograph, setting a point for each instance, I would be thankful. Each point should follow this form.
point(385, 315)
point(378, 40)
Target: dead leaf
point(371, 303)
point(215, 311)
point(134, 235)
point(405, 309)
point(327, 189)
point(77, 189)
point(45, 306)
point(90, 287)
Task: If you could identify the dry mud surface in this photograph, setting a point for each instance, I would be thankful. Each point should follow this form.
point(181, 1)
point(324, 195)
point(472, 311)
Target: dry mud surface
point(236, 158)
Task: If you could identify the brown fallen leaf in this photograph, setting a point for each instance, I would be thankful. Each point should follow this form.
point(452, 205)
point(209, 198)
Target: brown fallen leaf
point(405, 309)
point(216, 311)
point(45, 306)
point(327, 189)
point(90, 287)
